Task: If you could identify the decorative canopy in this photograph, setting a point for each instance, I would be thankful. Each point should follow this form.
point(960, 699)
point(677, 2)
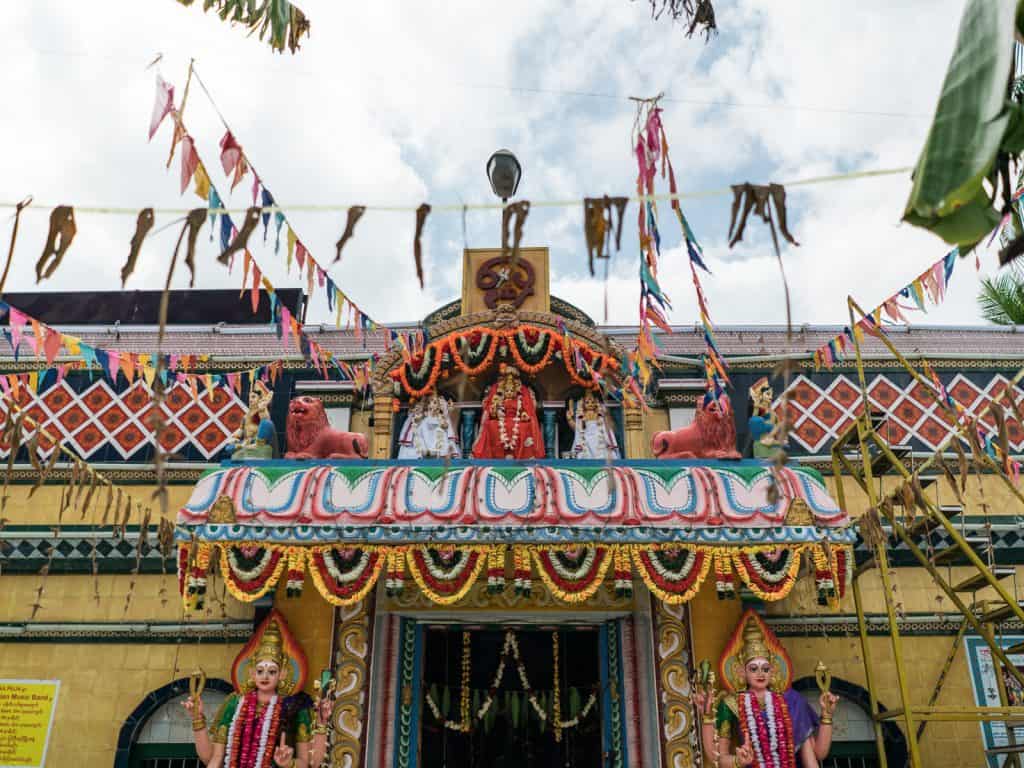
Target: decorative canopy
point(572, 524)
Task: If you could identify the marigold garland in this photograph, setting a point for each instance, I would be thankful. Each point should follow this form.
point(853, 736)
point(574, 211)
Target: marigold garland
point(673, 588)
point(725, 580)
point(250, 590)
point(439, 589)
point(486, 337)
point(572, 590)
point(545, 337)
point(496, 568)
point(351, 593)
point(435, 371)
point(767, 586)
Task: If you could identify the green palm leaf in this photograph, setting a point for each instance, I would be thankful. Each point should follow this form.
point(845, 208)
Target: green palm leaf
point(285, 23)
point(1001, 299)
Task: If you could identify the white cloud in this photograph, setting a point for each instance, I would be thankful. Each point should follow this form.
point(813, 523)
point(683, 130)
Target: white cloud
point(401, 103)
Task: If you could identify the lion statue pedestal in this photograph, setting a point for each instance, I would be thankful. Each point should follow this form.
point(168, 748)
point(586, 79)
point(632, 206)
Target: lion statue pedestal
point(711, 435)
point(310, 435)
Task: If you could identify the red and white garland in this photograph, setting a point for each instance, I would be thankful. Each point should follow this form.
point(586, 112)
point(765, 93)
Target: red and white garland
point(767, 729)
point(769, 572)
point(672, 573)
point(344, 575)
point(252, 735)
point(573, 574)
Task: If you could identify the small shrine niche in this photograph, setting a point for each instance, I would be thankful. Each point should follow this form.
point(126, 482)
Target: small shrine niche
point(512, 381)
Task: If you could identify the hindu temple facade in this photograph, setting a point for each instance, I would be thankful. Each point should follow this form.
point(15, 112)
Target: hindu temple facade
point(491, 558)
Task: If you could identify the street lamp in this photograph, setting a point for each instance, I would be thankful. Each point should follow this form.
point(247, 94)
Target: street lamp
point(504, 172)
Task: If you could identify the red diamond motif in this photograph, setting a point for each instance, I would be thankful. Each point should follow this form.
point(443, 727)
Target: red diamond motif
point(804, 393)
point(810, 433)
point(794, 411)
point(194, 418)
point(827, 413)
point(933, 431)
point(215, 398)
point(1014, 432)
point(97, 398)
point(22, 397)
point(171, 438)
point(113, 417)
point(73, 418)
point(211, 438)
point(129, 438)
point(57, 398)
point(232, 417)
point(922, 395)
point(843, 425)
point(845, 394)
point(136, 399)
point(37, 414)
point(908, 412)
point(892, 432)
point(883, 393)
point(89, 437)
point(45, 443)
point(177, 398)
point(964, 393)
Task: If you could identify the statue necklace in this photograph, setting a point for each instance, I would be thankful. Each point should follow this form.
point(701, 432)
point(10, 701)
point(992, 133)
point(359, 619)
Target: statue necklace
point(509, 445)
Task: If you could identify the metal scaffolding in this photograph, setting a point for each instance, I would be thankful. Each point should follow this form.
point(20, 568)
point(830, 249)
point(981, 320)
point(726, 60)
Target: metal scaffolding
point(864, 455)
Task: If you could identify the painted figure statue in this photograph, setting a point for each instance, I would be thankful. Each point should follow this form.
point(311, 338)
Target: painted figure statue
point(763, 423)
point(311, 436)
point(711, 435)
point(510, 428)
point(429, 432)
point(761, 721)
point(593, 436)
point(268, 721)
point(256, 437)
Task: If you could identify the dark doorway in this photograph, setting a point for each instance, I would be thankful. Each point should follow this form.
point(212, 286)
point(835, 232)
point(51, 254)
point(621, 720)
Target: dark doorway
point(511, 733)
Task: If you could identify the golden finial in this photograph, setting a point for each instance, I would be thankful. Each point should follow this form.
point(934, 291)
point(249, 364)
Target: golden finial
point(823, 676)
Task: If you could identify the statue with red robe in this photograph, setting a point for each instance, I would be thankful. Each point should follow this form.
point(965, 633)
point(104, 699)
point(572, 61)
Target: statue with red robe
point(510, 428)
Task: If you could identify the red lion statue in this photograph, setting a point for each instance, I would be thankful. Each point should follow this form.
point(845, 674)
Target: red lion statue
point(711, 435)
point(310, 435)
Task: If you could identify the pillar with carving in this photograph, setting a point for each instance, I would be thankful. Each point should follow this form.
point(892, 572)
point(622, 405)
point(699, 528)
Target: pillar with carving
point(383, 413)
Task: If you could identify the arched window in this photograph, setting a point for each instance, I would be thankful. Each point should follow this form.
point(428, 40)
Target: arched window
point(158, 734)
point(853, 741)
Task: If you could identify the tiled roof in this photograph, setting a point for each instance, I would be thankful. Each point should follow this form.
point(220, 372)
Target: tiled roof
point(261, 343)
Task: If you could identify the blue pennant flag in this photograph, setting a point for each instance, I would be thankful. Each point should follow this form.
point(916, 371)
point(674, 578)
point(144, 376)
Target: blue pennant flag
point(214, 203)
point(225, 232)
point(268, 201)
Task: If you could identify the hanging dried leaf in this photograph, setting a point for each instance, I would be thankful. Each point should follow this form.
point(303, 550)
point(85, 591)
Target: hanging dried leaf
point(514, 214)
point(194, 222)
point(951, 480)
point(871, 528)
point(355, 213)
point(143, 224)
point(417, 249)
point(1003, 436)
point(43, 572)
point(241, 239)
point(62, 227)
point(94, 479)
point(962, 464)
point(108, 505)
point(694, 13)
point(758, 198)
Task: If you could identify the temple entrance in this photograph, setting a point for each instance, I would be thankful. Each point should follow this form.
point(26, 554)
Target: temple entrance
point(522, 680)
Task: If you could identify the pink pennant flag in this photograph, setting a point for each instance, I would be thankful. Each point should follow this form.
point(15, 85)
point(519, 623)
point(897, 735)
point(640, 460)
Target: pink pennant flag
point(172, 363)
point(255, 188)
point(52, 345)
point(939, 276)
point(189, 162)
point(233, 382)
point(61, 372)
point(321, 276)
point(37, 337)
point(5, 385)
point(18, 320)
point(286, 325)
point(300, 255)
point(230, 153)
point(113, 363)
point(254, 293)
point(162, 106)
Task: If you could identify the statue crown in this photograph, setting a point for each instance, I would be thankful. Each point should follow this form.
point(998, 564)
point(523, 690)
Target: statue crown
point(270, 647)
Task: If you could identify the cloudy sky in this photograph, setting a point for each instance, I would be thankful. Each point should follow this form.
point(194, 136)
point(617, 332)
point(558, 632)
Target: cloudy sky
point(396, 103)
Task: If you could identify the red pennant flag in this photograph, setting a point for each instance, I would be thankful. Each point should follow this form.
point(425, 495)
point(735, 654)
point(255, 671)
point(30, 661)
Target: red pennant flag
point(189, 162)
point(52, 345)
point(254, 293)
point(162, 106)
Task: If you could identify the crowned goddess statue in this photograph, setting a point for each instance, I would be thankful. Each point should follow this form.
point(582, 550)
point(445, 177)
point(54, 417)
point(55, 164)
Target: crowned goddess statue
point(593, 437)
point(268, 721)
point(761, 721)
point(510, 428)
point(429, 432)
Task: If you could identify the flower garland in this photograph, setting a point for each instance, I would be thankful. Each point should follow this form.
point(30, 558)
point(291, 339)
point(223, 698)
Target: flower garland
point(248, 584)
point(673, 574)
point(196, 582)
point(394, 581)
point(532, 696)
point(295, 576)
point(445, 583)
point(252, 735)
point(484, 351)
point(496, 569)
point(556, 703)
point(622, 572)
point(768, 571)
point(522, 349)
point(344, 576)
point(522, 573)
point(773, 745)
point(573, 574)
point(432, 363)
point(725, 580)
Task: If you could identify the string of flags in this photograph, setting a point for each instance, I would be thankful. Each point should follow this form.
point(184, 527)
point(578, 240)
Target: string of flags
point(927, 287)
point(233, 239)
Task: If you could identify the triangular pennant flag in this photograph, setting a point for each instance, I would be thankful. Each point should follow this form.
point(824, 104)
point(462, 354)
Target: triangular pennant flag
point(230, 154)
point(292, 242)
point(202, 181)
point(214, 203)
point(254, 294)
point(162, 105)
point(148, 373)
point(189, 162)
point(193, 387)
point(113, 364)
point(268, 202)
point(300, 255)
point(52, 345)
point(128, 366)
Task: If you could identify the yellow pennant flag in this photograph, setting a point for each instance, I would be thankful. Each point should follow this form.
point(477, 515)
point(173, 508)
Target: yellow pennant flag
point(208, 379)
point(202, 181)
point(72, 344)
point(149, 372)
point(33, 381)
point(292, 240)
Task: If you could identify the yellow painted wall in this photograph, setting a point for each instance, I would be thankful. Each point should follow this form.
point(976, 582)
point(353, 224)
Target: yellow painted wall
point(44, 506)
point(311, 619)
point(101, 685)
point(711, 621)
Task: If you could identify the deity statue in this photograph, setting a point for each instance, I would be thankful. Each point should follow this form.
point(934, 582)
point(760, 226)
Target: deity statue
point(429, 432)
point(268, 721)
point(510, 429)
point(256, 437)
point(593, 436)
point(763, 423)
point(754, 723)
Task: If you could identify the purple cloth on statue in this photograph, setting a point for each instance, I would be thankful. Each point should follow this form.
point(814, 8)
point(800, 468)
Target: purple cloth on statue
point(804, 719)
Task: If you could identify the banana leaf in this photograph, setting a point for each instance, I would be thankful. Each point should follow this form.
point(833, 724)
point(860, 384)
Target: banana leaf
point(286, 23)
point(514, 709)
point(975, 123)
point(574, 702)
point(446, 701)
